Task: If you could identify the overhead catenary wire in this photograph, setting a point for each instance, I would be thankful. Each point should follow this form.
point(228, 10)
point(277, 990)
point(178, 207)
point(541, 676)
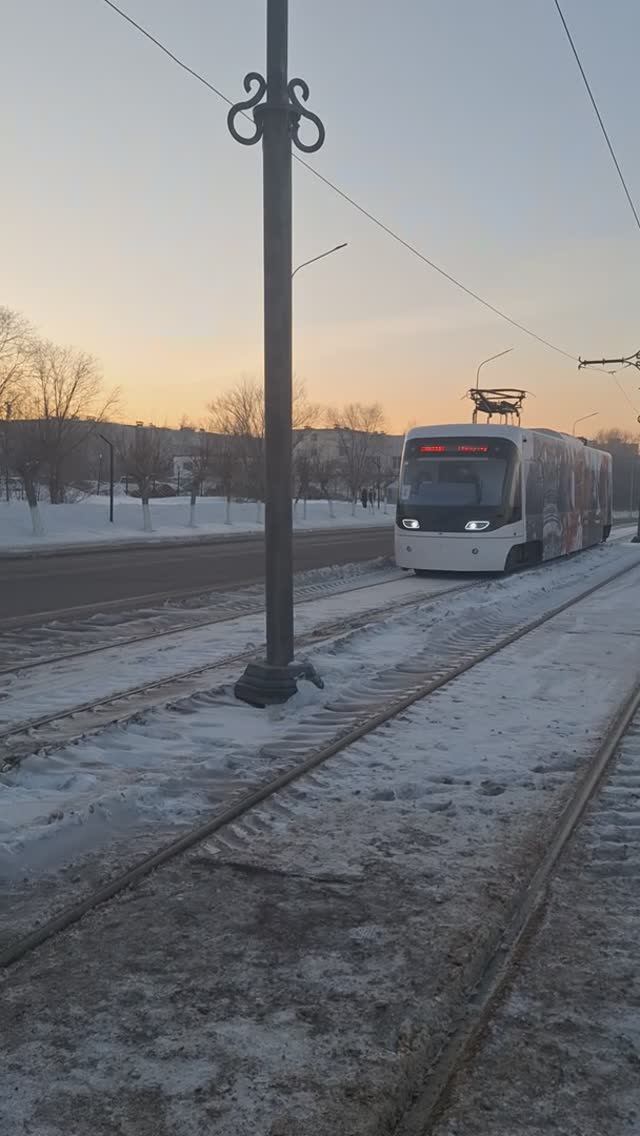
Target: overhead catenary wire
point(185, 66)
point(624, 392)
point(357, 206)
point(598, 115)
point(614, 159)
point(352, 201)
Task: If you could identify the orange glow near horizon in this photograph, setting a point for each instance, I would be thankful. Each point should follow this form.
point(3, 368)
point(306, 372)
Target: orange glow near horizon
point(164, 390)
point(136, 221)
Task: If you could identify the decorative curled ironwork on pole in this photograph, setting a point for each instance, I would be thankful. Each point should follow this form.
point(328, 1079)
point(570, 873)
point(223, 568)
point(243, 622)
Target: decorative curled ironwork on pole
point(300, 111)
point(294, 108)
point(248, 104)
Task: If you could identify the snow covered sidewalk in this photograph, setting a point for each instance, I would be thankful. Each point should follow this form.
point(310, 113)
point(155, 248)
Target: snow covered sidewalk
point(86, 523)
point(299, 972)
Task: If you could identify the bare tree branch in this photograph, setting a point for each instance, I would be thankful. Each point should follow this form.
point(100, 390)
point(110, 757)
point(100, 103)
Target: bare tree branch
point(17, 340)
point(359, 429)
point(27, 459)
point(146, 458)
point(65, 391)
point(239, 414)
point(201, 460)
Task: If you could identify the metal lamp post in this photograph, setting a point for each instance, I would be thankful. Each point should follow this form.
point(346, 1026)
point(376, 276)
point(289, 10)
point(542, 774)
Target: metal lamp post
point(111, 449)
point(276, 123)
point(594, 414)
point(490, 360)
point(7, 418)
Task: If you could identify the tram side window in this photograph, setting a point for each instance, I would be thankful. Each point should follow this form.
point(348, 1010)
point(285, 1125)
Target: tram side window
point(535, 489)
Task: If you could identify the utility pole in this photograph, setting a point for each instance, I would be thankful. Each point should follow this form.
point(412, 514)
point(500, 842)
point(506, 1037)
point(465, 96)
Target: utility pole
point(626, 361)
point(276, 123)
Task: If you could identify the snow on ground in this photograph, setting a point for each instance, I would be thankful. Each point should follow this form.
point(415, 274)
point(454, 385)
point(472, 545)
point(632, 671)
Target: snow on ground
point(175, 765)
point(568, 1028)
point(299, 972)
point(87, 521)
point(58, 687)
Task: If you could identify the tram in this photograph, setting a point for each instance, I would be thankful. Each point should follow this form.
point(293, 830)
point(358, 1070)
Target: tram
point(485, 498)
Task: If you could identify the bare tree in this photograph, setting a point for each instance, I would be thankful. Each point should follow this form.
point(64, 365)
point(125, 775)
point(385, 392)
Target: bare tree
point(305, 414)
point(239, 414)
point(201, 459)
point(146, 457)
point(225, 465)
point(66, 392)
point(358, 428)
point(325, 472)
point(17, 340)
point(623, 447)
point(302, 473)
point(28, 460)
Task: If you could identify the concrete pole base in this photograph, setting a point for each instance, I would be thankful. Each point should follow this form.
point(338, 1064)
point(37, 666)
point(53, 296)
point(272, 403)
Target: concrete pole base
point(265, 685)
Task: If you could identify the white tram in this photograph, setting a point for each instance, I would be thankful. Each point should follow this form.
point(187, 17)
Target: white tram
point(482, 498)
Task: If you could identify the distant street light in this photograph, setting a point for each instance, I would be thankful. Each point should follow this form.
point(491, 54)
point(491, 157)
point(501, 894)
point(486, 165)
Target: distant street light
point(111, 448)
point(8, 408)
point(321, 257)
point(593, 414)
point(490, 360)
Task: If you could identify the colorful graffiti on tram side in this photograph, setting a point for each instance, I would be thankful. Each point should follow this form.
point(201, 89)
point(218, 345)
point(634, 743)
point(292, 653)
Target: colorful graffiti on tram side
point(568, 495)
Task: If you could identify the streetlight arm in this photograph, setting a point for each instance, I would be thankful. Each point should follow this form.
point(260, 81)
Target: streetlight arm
point(594, 414)
point(490, 360)
point(321, 257)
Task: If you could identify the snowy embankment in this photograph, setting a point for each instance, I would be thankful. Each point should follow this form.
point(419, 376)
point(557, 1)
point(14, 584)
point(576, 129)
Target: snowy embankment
point(86, 522)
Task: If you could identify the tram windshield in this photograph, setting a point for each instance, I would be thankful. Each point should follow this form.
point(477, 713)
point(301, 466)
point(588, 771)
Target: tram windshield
point(458, 474)
point(447, 481)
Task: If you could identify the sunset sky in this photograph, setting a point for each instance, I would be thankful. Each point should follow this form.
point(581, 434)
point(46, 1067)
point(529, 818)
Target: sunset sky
point(132, 220)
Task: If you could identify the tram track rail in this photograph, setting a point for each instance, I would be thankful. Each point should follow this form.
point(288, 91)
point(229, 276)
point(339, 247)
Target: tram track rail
point(497, 969)
point(334, 727)
point(576, 966)
point(232, 603)
point(20, 739)
point(173, 688)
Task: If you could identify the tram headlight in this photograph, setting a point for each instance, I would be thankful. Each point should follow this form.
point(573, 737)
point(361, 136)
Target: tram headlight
point(411, 523)
point(477, 526)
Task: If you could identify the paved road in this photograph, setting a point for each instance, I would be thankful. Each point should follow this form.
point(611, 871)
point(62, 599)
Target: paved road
point(52, 584)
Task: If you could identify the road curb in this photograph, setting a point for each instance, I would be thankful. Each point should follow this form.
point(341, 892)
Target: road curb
point(116, 546)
